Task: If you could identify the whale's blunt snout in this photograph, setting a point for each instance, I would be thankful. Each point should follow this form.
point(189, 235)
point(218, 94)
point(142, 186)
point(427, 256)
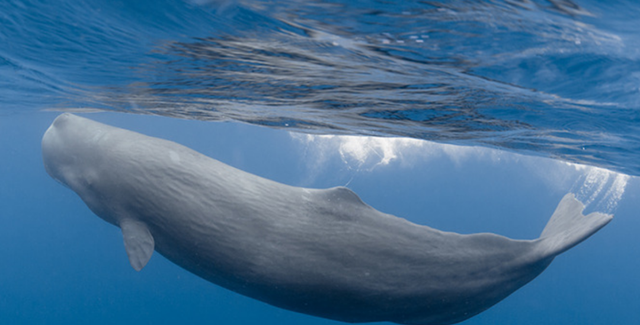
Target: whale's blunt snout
point(52, 133)
point(54, 144)
point(62, 120)
point(49, 146)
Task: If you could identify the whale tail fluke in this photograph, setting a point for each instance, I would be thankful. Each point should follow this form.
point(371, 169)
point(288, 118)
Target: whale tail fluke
point(568, 226)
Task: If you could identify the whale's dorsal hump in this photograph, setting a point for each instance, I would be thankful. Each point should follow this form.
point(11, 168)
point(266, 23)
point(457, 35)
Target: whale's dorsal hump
point(344, 194)
point(138, 242)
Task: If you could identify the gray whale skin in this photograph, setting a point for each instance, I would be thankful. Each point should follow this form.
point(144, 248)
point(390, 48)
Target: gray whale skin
point(321, 252)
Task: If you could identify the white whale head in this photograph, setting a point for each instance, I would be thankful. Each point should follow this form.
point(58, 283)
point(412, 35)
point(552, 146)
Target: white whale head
point(64, 150)
point(91, 158)
point(70, 156)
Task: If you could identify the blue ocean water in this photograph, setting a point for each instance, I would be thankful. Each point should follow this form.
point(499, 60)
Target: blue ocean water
point(535, 79)
point(551, 78)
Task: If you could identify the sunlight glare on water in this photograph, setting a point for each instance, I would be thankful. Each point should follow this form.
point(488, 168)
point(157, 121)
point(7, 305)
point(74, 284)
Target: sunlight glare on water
point(600, 189)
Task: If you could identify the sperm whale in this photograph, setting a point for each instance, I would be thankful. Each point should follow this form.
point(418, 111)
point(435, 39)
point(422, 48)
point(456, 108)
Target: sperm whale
point(321, 252)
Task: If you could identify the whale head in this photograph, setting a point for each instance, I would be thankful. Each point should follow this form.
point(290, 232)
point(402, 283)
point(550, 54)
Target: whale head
point(63, 151)
point(87, 157)
point(72, 155)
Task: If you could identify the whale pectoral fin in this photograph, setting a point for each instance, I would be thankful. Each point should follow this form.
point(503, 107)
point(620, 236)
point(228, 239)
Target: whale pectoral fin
point(138, 242)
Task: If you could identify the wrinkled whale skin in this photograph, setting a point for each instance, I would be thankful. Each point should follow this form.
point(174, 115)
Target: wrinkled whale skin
point(321, 252)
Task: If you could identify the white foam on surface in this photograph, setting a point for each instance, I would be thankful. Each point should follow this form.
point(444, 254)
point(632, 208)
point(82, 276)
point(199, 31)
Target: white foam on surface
point(599, 189)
